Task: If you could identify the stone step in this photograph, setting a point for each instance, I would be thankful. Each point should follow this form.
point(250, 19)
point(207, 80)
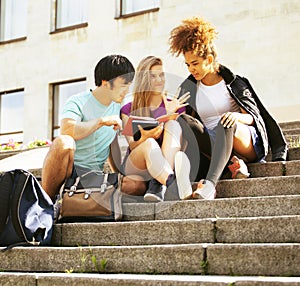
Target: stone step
point(277, 229)
point(293, 154)
point(219, 208)
point(83, 279)
point(272, 259)
point(293, 140)
point(295, 131)
point(265, 186)
point(269, 169)
point(289, 125)
point(25, 159)
point(22, 160)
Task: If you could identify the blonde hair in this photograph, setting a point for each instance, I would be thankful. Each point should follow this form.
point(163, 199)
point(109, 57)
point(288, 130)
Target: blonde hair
point(142, 86)
point(194, 35)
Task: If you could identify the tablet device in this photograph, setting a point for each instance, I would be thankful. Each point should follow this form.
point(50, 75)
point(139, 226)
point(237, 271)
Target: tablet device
point(147, 125)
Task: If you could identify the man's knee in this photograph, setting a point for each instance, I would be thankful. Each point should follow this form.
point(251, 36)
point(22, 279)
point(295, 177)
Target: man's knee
point(63, 143)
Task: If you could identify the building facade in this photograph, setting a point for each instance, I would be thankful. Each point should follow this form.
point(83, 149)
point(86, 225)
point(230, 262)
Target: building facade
point(49, 48)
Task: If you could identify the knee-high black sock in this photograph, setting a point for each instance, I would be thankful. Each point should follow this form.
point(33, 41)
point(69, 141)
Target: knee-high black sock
point(221, 152)
point(198, 147)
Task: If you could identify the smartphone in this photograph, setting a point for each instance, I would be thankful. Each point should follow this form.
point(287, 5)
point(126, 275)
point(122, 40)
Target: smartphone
point(147, 125)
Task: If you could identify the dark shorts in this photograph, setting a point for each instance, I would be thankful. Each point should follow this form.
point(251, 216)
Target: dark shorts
point(78, 171)
point(257, 143)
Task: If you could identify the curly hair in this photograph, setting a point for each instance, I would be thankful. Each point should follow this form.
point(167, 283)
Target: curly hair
point(193, 35)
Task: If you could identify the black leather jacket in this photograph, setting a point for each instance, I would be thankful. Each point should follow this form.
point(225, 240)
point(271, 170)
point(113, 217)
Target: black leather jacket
point(242, 92)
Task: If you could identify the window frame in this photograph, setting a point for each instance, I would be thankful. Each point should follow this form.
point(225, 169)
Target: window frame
point(13, 132)
point(4, 23)
point(55, 29)
point(53, 103)
point(119, 14)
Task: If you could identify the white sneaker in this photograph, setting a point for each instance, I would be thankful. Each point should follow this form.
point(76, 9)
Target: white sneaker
point(205, 190)
point(182, 172)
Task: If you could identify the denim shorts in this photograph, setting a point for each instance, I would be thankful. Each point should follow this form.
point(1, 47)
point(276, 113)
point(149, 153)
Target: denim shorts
point(257, 143)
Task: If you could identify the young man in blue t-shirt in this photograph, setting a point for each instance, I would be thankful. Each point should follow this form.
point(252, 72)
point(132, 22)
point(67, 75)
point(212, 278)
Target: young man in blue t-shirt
point(89, 124)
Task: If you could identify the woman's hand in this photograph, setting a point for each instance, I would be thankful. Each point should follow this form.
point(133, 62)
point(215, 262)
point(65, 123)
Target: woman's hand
point(152, 133)
point(175, 103)
point(229, 119)
point(145, 134)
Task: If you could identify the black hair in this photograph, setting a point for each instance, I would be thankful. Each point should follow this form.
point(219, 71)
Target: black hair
point(113, 66)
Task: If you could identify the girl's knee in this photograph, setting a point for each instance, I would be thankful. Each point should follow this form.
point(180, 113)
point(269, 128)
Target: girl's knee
point(173, 127)
point(150, 144)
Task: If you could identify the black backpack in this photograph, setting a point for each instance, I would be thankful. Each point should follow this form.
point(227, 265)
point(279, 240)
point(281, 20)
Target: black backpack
point(26, 210)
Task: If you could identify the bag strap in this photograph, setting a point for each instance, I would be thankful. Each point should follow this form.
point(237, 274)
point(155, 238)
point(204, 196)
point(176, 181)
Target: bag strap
point(105, 179)
point(77, 180)
point(20, 182)
point(91, 171)
point(6, 182)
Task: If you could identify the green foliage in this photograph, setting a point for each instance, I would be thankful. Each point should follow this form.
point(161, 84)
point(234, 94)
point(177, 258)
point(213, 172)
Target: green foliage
point(294, 142)
point(14, 146)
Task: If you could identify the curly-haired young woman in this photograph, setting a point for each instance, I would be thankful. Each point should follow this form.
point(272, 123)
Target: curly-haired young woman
point(225, 120)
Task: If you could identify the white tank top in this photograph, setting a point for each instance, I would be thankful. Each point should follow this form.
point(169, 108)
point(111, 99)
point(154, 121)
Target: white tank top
point(212, 101)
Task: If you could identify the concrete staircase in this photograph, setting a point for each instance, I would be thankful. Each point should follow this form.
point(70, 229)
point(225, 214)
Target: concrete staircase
point(249, 235)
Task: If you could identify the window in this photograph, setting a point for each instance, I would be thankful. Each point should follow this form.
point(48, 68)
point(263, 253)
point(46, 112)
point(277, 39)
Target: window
point(13, 19)
point(126, 8)
point(61, 92)
point(11, 116)
point(70, 13)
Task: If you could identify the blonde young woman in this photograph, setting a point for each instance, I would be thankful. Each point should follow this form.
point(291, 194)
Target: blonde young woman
point(223, 109)
point(156, 156)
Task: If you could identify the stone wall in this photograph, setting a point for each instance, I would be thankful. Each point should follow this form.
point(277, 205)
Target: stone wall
point(258, 39)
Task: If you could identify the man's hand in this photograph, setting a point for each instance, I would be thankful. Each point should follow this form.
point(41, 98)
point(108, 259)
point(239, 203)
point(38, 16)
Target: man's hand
point(113, 120)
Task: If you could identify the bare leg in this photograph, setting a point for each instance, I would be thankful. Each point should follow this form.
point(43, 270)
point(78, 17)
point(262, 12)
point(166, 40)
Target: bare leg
point(243, 144)
point(148, 157)
point(58, 164)
point(114, 158)
point(171, 141)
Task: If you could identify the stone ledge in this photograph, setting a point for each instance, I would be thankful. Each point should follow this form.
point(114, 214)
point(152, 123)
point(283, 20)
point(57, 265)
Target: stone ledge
point(281, 229)
point(75, 279)
point(222, 208)
point(211, 259)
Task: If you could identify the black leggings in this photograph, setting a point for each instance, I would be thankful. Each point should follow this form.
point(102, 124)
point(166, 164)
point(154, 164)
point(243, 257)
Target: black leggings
point(208, 157)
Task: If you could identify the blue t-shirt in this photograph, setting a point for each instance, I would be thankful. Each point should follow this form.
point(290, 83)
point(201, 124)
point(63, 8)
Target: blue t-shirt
point(93, 150)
